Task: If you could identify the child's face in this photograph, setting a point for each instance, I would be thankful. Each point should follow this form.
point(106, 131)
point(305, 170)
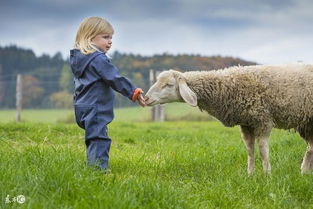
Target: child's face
point(103, 41)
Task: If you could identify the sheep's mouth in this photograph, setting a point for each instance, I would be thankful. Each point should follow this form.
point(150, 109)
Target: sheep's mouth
point(151, 102)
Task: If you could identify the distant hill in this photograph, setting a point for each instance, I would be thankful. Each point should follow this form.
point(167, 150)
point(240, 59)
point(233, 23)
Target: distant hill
point(183, 62)
point(47, 75)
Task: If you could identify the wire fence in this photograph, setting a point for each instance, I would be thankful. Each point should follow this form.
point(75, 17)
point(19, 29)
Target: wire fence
point(38, 93)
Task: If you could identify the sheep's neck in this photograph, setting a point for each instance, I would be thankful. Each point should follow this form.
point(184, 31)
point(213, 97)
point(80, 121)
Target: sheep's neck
point(211, 90)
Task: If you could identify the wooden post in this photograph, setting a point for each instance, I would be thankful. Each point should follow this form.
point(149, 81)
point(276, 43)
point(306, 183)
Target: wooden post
point(151, 78)
point(157, 111)
point(19, 97)
point(1, 85)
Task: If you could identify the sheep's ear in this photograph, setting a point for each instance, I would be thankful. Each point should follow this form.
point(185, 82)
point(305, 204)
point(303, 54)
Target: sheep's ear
point(186, 93)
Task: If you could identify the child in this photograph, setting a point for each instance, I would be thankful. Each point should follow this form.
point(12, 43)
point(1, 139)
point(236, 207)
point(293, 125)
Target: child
point(95, 78)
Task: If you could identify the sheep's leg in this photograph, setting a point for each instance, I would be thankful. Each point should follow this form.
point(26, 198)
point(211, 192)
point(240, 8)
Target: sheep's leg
point(307, 163)
point(248, 138)
point(264, 152)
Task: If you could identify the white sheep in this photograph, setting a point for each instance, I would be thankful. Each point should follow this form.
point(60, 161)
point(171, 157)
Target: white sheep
point(258, 98)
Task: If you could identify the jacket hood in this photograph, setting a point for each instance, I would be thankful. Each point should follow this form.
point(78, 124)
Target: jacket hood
point(80, 61)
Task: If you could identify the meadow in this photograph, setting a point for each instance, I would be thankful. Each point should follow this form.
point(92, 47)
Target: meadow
point(174, 112)
point(174, 164)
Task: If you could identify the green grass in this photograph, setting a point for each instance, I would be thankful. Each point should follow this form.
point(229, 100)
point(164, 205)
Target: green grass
point(154, 165)
point(34, 115)
point(174, 112)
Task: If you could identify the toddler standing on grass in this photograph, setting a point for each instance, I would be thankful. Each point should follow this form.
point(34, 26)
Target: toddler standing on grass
point(95, 78)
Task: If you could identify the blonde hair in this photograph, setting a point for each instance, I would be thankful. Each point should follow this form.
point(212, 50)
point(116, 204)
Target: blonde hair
point(89, 29)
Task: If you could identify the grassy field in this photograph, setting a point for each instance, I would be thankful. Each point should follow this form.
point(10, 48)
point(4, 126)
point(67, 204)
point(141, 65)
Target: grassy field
point(154, 165)
point(174, 112)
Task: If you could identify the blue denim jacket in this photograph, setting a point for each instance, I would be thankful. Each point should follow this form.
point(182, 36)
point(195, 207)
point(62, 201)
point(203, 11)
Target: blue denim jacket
point(95, 78)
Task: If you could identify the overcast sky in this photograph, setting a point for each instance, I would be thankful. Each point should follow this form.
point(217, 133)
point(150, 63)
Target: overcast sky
point(264, 31)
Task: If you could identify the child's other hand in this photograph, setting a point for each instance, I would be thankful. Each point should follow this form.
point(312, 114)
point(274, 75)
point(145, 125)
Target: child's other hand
point(141, 100)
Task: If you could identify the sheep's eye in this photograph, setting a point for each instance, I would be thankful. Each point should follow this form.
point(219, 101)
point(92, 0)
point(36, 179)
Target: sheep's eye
point(167, 85)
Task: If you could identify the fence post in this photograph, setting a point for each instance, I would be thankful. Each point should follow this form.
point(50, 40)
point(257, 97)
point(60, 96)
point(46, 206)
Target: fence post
point(157, 111)
point(19, 97)
point(2, 85)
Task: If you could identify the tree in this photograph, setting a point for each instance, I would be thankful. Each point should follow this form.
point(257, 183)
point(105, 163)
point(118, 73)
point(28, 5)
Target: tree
point(66, 79)
point(54, 73)
point(32, 91)
point(138, 80)
point(61, 99)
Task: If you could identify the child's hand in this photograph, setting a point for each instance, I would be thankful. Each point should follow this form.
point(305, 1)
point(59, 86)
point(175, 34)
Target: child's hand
point(141, 100)
point(137, 96)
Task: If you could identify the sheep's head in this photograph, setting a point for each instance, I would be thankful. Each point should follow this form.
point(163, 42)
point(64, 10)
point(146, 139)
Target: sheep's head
point(170, 86)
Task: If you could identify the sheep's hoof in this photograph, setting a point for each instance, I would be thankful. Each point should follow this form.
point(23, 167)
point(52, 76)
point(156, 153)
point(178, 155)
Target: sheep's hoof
point(250, 172)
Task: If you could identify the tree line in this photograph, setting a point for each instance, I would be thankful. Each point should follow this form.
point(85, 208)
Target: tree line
point(48, 81)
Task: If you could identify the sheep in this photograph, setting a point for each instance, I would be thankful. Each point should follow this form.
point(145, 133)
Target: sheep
point(257, 98)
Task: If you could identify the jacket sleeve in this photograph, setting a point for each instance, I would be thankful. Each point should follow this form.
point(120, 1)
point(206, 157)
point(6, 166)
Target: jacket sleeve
point(109, 73)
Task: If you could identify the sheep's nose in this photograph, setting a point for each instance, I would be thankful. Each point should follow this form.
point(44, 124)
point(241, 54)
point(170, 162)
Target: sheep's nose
point(146, 98)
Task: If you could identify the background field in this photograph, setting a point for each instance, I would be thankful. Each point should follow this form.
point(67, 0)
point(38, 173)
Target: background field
point(176, 164)
point(174, 112)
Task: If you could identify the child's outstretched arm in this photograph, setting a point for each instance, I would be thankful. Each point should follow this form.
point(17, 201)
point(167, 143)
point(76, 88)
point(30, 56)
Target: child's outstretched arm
point(109, 73)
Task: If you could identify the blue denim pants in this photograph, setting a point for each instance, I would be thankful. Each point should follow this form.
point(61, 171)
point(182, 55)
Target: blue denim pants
point(98, 152)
